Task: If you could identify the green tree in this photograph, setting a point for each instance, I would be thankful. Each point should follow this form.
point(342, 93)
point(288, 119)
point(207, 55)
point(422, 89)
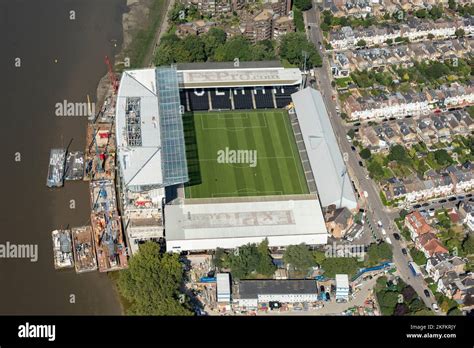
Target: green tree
point(418, 257)
point(376, 170)
point(194, 45)
point(365, 154)
point(387, 301)
point(265, 265)
point(299, 257)
point(236, 47)
point(459, 33)
point(452, 4)
point(378, 253)
point(399, 154)
point(292, 47)
point(152, 283)
point(319, 257)
point(303, 5)
point(214, 38)
point(442, 157)
point(455, 311)
point(422, 13)
point(468, 245)
point(416, 305)
point(343, 265)
point(361, 43)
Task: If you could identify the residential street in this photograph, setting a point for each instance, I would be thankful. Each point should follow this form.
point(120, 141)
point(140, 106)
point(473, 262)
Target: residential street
point(377, 211)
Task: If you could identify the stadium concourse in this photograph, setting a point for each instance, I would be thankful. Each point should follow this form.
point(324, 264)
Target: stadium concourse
point(206, 202)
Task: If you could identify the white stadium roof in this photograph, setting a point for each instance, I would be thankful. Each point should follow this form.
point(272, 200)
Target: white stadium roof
point(206, 224)
point(322, 149)
point(149, 130)
point(140, 165)
point(239, 77)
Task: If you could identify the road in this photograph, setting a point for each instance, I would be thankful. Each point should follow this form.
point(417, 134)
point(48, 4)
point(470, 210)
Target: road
point(373, 205)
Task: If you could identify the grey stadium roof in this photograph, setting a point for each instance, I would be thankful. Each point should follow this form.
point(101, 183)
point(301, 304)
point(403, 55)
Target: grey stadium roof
point(250, 289)
point(322, 149)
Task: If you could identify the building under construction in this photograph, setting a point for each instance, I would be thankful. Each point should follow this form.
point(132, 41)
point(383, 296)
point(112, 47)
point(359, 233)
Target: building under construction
point(109, 243)
point(84, 251)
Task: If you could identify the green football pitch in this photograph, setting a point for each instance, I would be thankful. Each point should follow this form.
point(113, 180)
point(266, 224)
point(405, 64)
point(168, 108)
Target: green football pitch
point(219, 164)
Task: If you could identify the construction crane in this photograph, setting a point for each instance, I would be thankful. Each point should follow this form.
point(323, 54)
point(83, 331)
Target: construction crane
point(113, 79)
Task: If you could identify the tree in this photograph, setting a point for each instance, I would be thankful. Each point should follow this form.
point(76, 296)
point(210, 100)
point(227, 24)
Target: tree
point(399, 154)
point(299, 257)
point(319, 257)
point(378, 253)
point(459, 33)
point(365, 154)
point(468, 245)
point(401, 309)
point(250, 259)
point(418, 256)
point(387, 301)
point(292, 47)
point(214, 38)
point(430, 36)
point(194, 45)
point(436, 12)
point(442, 157)
point(236, 47)
point(303, 5)
point(152, 282)
point(361, 43)
point(376, 170)
point(336, 265)
point(455, 311)
point(416, 305)
point(422, 13)
point(452, 4)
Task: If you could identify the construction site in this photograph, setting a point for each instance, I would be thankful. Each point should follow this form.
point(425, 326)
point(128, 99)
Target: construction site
point(84, 253)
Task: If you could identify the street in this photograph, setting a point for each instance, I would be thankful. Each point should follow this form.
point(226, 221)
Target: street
point(373, 205)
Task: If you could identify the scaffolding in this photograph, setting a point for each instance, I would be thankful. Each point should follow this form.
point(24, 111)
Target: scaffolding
point(133, 119)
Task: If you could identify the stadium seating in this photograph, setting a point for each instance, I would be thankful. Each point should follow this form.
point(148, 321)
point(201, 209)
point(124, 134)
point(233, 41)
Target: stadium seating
point(220, 99)
point(263, 97)
point(198, 99)
point(182, 99)
point(283, 95)
point(242, 98)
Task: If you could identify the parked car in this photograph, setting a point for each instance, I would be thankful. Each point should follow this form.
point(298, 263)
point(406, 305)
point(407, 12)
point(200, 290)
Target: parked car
point(451, 199)
point(396, 236)
point(442, 201)
point(426, 292)
point(361, 164)
point(435, 307)
point(404, 251)
point(353, 148)
point(417, 206)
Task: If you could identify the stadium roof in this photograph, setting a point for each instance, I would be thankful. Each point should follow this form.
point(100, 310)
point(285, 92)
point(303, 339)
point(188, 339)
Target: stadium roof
point(229, 65)
point(239, 77)
point(206, 224)
point(251, 289)
point(150, 144)
point(323, 151)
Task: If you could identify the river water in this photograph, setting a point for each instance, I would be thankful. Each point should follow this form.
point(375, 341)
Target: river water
point(61, 59)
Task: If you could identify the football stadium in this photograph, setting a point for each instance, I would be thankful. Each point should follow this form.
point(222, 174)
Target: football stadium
point(258, 154)
point(244, 149)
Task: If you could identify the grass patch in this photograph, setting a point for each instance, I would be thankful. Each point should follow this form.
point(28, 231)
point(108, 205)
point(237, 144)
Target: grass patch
point(276, 171)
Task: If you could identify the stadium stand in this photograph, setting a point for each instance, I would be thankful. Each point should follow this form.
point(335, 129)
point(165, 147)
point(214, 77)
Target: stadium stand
point(264, 97)
point(283, 95)
point(198, 99)
point(220, 99)
point(242, 98)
